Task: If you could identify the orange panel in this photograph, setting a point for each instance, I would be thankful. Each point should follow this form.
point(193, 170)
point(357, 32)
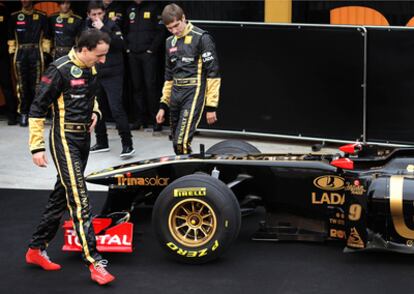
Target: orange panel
point(410, 23)
point(357, 15)
point(47, 7)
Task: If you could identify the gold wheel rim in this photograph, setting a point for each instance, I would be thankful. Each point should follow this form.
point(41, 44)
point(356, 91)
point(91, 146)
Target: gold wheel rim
point(192, 222)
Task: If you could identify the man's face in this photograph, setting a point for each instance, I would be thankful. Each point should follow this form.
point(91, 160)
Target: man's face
point(26, 3)
point(96, 14)
point(177, 27)
point(107, 2)
point(138, 1)
point(94, 56)
point(64, 7)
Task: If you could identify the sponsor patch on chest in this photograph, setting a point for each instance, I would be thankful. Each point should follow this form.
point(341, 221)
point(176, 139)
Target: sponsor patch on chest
point(73, 96)
point(187, 59)
point(173, 49)
point(77, 82)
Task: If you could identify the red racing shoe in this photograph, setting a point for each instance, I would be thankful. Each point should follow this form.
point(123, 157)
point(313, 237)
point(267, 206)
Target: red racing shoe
point(99, 274)
point(40, 258)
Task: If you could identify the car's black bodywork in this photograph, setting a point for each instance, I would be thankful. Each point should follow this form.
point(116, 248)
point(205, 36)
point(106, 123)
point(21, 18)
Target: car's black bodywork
point(368, 203)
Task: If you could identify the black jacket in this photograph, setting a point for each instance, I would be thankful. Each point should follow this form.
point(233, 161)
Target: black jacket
point(115, 10)
point(192, 59)
point(143, 29)
point(64, 28)
point(114, 64)
point(30, 27)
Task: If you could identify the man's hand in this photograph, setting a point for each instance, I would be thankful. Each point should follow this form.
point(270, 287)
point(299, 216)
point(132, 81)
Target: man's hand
point(94, 122)
point(39, 158)
point(160, 116)
point(98, 24)
point(211, 117)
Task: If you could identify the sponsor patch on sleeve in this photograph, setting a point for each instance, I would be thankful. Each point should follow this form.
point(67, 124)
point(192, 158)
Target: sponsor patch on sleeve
point(46, 80)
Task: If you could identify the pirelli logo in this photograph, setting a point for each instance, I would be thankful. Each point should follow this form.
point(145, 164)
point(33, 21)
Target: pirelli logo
point(190, 192)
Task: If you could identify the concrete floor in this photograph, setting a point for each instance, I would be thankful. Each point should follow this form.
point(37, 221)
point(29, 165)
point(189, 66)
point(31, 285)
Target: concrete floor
point(18, 172)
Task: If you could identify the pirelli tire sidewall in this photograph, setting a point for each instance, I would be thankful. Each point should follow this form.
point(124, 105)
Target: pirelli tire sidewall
point(218, 197)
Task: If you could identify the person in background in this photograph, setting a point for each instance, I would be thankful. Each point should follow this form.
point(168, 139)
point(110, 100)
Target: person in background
point(114, 10)
point(192, 78)
point(144, 37)
point(5, 76)
point(110, 76)
point(65, 27)
point(28, 39)
point(69, 85)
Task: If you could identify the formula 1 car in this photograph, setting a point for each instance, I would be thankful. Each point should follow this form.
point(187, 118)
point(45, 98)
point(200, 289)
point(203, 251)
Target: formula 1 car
point(362, 196)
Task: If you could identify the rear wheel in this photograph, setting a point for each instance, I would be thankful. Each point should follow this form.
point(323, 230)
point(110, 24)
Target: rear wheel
point(233, 147)
point(196, 218)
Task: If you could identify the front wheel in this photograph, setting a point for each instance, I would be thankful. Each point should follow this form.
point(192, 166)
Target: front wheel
point(196, 218)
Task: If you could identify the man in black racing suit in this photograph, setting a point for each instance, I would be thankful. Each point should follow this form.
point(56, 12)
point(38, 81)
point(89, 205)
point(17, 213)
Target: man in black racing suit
point(69, 85)
point(28, 39)
point(192, 78)
point(65, 27)
point(5, 76)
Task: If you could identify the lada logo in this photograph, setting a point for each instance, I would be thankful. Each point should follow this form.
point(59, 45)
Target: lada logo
point(329, 183)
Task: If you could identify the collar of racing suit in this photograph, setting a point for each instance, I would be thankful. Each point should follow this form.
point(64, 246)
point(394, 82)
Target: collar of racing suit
point(74, 58)
point(66, 15)
point(28, 11)
point(187, 29)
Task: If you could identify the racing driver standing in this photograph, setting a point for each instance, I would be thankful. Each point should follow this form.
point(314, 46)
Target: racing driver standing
point(192, 78)
point(69, 86)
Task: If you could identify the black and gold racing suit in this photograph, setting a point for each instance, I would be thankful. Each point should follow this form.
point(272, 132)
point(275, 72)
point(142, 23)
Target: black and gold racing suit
point(69, 87)
point(5, 76)
point(65, 28)
point(27, 41)
point(192, 81)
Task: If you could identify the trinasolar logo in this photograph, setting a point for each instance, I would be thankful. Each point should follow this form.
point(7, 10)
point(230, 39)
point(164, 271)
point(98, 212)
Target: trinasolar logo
point(130, 181)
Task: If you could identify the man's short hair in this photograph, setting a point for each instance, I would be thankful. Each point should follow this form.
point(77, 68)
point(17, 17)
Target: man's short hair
point(172, 12)
point(95, 5)
point(91, 38)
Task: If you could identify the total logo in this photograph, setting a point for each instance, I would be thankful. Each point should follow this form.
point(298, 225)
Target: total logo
point(101, 240)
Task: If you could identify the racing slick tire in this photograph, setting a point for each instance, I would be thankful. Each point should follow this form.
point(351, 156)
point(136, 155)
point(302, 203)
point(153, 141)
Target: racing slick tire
point(232, 147)
point(196, 218)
